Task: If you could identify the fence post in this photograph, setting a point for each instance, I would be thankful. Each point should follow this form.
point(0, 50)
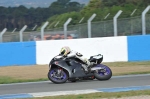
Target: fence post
point(81, 20)
point(133, 12)
point(89, 24)
point(143, 20)
point(65, 27)
point(1, 34)
point(42, 30)
point(79, 35)
point(14, 30)
point(132, 21)
point(34, 27)
point(21, 32)
point(105, 22)
point(106, 16)
point(56, 24)
point(115, 22)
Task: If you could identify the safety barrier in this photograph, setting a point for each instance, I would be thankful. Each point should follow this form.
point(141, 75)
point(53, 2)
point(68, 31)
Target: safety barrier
point(114, 49)
point(138, 48)
point(17, 53)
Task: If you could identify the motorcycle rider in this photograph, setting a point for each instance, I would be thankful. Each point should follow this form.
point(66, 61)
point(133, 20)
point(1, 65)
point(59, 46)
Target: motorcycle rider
point(67, 52)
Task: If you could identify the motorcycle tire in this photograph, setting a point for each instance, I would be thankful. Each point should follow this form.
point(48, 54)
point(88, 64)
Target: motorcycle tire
point(102, 76)
point(56, 80)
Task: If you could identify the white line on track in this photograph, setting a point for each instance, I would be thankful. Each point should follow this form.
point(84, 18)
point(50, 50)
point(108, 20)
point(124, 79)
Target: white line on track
point(74, 92)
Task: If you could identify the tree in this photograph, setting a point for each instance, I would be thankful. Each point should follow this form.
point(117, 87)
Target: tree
point(74, 6)
point(17, 17)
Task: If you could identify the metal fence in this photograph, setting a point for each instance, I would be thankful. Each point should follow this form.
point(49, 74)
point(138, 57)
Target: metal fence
point(126, 26)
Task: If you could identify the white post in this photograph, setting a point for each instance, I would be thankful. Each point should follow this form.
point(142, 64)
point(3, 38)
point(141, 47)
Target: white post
point(56, 24)
point(65, 27)
point(42, 30)
point(107, 16)
point(131, 20)
point(81, 20)
point(89, 24)
point(143, 20)
point(14, 30)
point(80, 27)
point(133, 12)
point(21, 32)
point(1, 34)
point(34, 27)
point(105, 22)
point(115, 22)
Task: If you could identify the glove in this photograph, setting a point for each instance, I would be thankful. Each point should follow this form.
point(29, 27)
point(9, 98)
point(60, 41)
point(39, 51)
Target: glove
point(79, 54)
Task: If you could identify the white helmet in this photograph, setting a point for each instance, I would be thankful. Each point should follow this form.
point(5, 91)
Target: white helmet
point(65, 50)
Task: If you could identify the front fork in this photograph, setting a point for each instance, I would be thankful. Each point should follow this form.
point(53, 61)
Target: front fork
point(59, 71)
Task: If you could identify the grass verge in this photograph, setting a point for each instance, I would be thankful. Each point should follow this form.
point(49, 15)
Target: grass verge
point(8, 80)
point(18, 74)
point(100, 95)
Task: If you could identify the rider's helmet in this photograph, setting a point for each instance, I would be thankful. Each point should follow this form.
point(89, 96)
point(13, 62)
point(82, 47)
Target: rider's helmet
point(65, 50)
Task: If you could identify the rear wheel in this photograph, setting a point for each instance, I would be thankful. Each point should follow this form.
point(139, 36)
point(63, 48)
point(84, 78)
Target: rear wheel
point(57, 75)
point(103, 74)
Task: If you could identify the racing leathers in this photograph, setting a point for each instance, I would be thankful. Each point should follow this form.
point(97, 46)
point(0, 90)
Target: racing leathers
point(86, 62)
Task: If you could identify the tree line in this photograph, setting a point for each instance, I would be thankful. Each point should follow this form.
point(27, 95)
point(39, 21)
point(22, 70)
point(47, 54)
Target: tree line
point(60, 10)
point(17, 17)
point(101, 8)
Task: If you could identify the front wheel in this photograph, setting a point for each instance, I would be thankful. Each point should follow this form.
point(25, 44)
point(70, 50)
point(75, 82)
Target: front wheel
point(104, 74)
point(57, 75)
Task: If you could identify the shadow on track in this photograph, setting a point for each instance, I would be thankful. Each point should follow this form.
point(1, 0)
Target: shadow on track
point(81, 81)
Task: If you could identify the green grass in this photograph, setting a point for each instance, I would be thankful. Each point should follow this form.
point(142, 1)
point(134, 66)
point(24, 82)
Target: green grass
point(7, 80)
point(100, 95)
point(122, 64)
point(132, 73)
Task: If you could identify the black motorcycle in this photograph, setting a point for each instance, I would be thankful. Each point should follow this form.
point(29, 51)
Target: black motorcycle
point(62, 69)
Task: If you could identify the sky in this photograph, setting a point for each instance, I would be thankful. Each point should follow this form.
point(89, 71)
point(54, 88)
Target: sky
point(33, 3)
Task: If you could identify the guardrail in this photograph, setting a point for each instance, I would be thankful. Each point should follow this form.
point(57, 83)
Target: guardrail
point(114, 49)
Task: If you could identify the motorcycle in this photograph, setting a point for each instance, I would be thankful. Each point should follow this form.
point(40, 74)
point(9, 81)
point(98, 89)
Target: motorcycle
point(62, 69)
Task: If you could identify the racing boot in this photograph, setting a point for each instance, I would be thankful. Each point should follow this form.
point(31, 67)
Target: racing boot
point(85, 67)
point(89, 66)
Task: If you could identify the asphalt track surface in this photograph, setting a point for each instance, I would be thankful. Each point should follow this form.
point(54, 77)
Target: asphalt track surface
point(47, 86)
